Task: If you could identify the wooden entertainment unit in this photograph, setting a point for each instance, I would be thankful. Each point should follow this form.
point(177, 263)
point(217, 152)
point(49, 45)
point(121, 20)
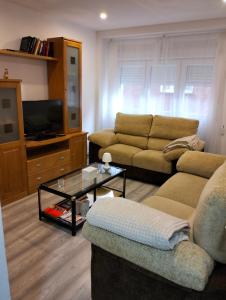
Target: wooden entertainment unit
point(54, 157)
point(25, 164)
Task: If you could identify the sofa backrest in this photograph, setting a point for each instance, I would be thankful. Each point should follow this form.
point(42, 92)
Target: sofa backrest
point(138, 125)
point(133, 130)
point(146, 131)
point(166, 129)
point(172, 128)
point(210, 217)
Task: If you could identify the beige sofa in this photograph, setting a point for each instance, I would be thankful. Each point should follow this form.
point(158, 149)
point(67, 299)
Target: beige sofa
point(137, 142)
point(196, 193)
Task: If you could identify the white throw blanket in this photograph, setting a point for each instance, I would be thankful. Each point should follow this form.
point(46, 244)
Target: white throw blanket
point(138, 222)
point(189, 142)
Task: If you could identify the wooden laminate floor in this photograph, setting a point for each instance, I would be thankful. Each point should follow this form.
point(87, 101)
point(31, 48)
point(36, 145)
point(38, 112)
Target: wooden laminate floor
point(44, 261)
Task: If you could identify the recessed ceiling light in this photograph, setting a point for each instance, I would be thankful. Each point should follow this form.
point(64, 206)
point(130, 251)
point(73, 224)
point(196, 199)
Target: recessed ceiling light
point(224, 1)
point(104, 16)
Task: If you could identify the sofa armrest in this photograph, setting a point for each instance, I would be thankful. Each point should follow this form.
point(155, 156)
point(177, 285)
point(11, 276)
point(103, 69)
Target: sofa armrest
point(200, 163)
point(187, 265)
point(103, 138)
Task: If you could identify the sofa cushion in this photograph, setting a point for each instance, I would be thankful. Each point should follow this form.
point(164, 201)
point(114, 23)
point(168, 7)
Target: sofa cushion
point(121, 154)
point(174, 154)
point(184, 188)
point(170, 207)
point(172, 128)
point(200, 163)
point(152, 160)
point(103, 138)
point(157, 144)
point(133, 124)
point(187, 265)
point(210, 218)
point(132, 140)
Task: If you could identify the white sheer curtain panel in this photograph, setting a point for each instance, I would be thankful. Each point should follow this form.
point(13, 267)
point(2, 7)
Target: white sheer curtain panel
point(172, 76)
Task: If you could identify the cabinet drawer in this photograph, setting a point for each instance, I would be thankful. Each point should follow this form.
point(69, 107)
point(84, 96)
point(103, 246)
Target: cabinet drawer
point(48, 162)
point(36, 179)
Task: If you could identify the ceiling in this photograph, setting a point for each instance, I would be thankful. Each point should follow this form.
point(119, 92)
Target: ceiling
point(127, 13)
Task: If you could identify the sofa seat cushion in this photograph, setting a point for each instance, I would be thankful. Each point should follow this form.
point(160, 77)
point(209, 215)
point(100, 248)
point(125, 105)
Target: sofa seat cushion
point(152, 160)
point(133, 124)
point(174, 154)
point(121, 154)
point(132, 140)
point(172, 128)
point(184, 188)
point(170, 207)
point(157, 144)
point(187, 264)
point(210, 217)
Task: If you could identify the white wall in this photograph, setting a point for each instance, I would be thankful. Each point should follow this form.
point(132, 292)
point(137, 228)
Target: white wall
point(16, 22)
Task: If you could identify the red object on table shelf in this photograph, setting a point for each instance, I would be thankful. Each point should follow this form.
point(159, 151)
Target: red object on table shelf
point(53, 212)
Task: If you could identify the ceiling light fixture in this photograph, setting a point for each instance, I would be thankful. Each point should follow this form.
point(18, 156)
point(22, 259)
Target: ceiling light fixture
point(224, 1)
point(103, 15)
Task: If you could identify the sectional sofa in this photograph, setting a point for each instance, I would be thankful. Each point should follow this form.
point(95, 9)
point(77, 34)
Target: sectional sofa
point(137, 141)
point(124, 269)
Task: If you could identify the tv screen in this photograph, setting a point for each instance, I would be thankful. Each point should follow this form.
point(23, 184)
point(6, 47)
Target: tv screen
point(43, 118)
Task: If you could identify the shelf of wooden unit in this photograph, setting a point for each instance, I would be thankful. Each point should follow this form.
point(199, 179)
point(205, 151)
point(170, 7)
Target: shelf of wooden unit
point(26, 55)
point(36, 144)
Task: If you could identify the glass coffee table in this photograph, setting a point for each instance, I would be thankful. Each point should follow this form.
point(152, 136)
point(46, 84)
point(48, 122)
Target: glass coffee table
point(60, 200)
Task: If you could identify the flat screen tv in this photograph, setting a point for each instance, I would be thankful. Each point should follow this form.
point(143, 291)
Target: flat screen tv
point(43, 119)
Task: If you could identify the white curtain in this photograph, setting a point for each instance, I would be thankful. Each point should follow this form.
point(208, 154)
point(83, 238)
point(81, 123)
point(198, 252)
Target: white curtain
point(172, 76)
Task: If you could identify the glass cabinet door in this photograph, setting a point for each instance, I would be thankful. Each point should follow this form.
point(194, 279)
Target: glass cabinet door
point(73, 87)
point(9, 124)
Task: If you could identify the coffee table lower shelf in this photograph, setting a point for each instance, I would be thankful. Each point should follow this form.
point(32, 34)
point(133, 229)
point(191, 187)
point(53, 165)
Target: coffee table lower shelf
point(62, 222)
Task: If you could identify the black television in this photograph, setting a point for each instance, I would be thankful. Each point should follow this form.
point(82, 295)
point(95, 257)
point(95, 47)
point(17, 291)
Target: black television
point(43, 119)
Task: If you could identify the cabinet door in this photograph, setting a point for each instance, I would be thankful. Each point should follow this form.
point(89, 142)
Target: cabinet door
point(73, 79)
point(13, 171)
point(78, 152)
point(9, 123)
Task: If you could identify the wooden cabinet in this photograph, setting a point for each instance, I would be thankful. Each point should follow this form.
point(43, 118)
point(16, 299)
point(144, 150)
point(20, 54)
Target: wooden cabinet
point(78, 150)
point(64, 80)
point(12, 151)
point(53, 158)
point(26, 164)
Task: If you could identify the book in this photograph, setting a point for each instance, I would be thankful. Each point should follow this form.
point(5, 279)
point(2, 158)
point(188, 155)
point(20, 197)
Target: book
point(37, 45)
point(54, 212)
point(67, 217)
point(66, 203)
point(25, 43)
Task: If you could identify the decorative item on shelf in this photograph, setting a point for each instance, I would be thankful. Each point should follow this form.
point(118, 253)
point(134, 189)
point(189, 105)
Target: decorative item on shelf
point(106, 159)
point(6, 74)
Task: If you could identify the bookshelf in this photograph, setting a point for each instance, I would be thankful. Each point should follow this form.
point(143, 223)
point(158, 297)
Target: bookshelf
point(35, 162)
point(26, 55)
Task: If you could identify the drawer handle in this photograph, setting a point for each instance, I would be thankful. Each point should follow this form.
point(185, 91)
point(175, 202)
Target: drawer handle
point(62, 157)
point(62, 169)
point(38, 165)
point(39, 178)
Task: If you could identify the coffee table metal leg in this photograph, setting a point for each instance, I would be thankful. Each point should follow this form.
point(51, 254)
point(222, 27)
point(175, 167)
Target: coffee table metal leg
point(39, 204)
point(94, 195)
point(124, 185)
point(73, 216)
